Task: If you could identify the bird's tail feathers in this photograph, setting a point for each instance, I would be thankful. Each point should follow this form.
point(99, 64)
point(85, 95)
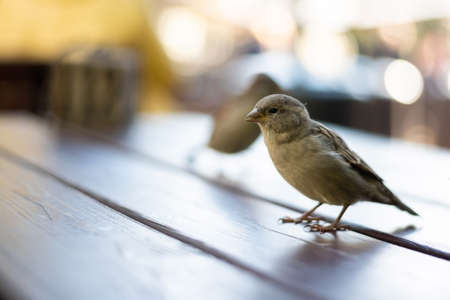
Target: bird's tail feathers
point(394, 200)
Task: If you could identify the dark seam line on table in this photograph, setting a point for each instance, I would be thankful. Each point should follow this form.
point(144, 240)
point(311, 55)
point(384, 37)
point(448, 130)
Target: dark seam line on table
point(376, 234)
point(166, 230)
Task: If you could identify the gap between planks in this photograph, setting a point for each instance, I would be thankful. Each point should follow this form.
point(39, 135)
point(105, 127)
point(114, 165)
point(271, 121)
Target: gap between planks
point(164, 229)
point(373, 233)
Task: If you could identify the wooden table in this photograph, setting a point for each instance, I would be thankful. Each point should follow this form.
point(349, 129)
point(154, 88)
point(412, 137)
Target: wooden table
point(88, 215)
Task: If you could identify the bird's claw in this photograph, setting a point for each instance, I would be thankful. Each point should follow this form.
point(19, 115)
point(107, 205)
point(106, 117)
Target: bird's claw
point(285, 220)
point(322, 229)
point(309, 219)
point(298, 220)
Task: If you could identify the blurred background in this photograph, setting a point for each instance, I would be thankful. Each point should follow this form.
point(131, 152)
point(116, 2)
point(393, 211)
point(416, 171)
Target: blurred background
point(376, 65)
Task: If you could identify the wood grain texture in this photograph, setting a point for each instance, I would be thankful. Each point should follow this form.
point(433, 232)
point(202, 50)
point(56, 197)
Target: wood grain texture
point(57, 243)
point(240, 227)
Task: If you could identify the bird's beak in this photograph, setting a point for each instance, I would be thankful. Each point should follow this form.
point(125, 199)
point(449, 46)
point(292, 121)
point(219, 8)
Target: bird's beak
point(254, 116)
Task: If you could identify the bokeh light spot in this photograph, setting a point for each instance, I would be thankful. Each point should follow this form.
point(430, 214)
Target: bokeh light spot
point(182, 33)
point(325, 53)
point(403, 81)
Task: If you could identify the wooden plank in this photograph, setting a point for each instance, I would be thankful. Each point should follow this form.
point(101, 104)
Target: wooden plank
point(57, 243)
point(242, 229)
point(394, 160)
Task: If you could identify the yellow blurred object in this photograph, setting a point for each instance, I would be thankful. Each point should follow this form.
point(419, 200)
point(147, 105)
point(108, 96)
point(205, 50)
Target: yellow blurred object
point(40, 30)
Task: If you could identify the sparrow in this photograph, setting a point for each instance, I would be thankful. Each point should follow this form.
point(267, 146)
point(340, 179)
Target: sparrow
point(316, 161)
point(231, 134)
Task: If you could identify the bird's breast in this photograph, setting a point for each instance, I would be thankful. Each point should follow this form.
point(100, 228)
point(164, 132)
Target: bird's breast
point(316, 171)
point(295, 162)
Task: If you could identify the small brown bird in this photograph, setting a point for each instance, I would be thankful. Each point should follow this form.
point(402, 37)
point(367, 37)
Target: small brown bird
point(231, 134)
point(316, 161)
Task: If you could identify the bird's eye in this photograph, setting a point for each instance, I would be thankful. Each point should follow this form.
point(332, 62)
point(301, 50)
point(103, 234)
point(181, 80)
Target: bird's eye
point(273, 110)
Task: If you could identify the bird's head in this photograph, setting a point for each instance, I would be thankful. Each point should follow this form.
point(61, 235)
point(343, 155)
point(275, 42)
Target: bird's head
point(279, 113)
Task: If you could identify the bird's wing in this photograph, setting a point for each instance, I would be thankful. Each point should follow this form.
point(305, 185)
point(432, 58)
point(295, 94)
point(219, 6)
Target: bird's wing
point(350, 156)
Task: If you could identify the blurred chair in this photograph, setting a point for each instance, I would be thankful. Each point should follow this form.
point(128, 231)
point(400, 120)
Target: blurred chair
point(39, 31)
point(23, 86)
point(94, 86)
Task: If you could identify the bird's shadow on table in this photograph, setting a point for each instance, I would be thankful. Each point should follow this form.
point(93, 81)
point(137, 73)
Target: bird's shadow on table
point(403, 231)
point(328, 254)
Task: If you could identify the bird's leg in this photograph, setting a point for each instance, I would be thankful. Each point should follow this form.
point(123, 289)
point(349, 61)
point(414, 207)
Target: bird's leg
point(335, 226)
point(305, 217)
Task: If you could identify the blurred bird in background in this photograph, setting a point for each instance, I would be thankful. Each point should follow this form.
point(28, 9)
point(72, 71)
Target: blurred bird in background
point(231, 134)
